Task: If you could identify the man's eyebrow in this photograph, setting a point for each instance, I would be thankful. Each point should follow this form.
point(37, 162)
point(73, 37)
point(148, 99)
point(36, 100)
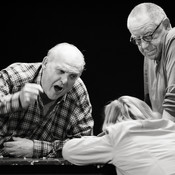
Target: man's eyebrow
point(148, 33)
point(145, 34)
point(67, 71)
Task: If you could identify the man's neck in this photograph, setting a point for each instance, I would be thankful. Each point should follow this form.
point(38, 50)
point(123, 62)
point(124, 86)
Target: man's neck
point(45, 99)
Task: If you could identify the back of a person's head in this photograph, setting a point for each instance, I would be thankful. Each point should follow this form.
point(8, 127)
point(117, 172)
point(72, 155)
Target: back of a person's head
point(126, 108)
point(154, 11)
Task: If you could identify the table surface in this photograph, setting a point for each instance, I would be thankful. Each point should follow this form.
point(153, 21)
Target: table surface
point(33, 161)
point(50, 166)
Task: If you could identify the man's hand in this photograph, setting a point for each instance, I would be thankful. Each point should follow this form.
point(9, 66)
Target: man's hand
point(20, 147)
point(29, 94)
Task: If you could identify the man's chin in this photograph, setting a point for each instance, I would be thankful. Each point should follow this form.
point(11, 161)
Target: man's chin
point(151, 57)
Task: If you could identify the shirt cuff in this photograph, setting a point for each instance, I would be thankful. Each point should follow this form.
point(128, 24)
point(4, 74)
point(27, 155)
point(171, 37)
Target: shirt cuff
point(41, 148)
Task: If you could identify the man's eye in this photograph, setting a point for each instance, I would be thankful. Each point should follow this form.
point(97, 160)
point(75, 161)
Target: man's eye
point(137, 39)
point(147, 38)
point(61, 72)
point(73, 76)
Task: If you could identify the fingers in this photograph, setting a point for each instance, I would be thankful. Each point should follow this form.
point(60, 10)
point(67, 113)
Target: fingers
point(2, 100)
point(17, 138)
point(19, 147)
point(29, 93)
point(8, 144)
point(10, 147)
point(32, 88)
point(11, 151)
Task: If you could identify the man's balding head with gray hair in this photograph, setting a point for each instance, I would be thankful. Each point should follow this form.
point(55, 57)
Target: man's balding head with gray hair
point(68, 51)
point(153, 11)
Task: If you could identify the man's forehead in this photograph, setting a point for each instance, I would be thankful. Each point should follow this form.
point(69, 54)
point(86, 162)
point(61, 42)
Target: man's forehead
point(68, 68)
point(139, 19)
point(68, 60)
point(139, 23)
point(71, 58)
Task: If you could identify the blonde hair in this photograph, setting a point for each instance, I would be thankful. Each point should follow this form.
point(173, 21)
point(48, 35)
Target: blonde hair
point(126, 108)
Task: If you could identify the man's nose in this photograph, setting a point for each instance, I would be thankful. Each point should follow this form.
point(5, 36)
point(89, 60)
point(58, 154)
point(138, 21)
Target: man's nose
point(64, 78)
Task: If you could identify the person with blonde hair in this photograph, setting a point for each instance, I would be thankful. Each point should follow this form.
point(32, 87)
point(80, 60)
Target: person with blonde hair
point(134, 139)
point(127, 108)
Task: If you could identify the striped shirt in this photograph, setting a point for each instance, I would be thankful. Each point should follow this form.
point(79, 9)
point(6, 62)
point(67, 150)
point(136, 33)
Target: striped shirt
point(70, 117)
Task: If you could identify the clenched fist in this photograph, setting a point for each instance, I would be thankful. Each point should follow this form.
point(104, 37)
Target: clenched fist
point(29, 94)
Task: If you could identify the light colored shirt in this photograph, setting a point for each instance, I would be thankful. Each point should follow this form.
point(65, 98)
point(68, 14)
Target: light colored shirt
point(137, 147)
point(71, 116)
point(159, 77)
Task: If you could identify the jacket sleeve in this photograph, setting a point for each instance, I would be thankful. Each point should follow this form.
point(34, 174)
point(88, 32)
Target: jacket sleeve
point(169, 103)
point(169, 99)
point(88, 150)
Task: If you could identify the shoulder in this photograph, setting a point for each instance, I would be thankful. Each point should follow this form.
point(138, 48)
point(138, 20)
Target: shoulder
point(124, 128)
point(126, 125)
point(21, 72)
point(79, 87)
point(79, 83)
point(141, 125)
point(169, 49)
point(23, 67)
point(78, 92)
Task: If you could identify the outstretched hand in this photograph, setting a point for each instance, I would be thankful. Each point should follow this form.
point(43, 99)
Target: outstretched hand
point(19, 147)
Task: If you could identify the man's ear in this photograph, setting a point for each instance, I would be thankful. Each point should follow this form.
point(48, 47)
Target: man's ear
point(45, 61)
point(166, 23)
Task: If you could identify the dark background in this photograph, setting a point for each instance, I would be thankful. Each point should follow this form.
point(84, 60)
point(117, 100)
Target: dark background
point(113, 65)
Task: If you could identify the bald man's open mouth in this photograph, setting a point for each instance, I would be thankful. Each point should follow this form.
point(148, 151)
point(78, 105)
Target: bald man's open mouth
point(58, 88)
